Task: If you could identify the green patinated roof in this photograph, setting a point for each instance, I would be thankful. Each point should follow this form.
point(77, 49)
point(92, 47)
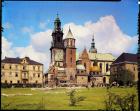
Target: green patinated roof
point(101, 56)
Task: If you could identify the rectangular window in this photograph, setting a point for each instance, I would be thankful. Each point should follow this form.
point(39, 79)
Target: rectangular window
point(38, 68)
point(24, 75)
point(18, 81)
point(36, 82)
point(10, 74)
point(2, 74)
point(24, 67)
point(34, 75)
point(10, 67)
point(38, 75)
point(11, 82)
point(3, 66)
point(6, 81)
point(33, 67)
point(16, 66)
point(16, 75)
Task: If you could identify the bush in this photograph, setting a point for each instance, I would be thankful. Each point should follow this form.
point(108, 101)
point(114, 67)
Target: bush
point(19, 85)
point(116, 102)
point(122, 77)
point(73, 99)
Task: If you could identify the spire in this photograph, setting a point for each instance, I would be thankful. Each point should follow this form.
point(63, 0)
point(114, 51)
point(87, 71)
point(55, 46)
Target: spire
point(57, 15)
point(92, 48)
point(57, 23)
point(69, 34)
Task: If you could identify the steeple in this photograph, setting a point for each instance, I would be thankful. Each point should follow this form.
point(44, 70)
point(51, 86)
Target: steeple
point(57, 34)
point(69, 35)
point(92, 48)
point(57, 23)
point(69, 40)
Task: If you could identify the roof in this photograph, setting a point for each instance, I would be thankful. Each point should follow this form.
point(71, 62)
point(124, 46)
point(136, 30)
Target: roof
point(94, 69)
point(80, 66)
point(126, 57)
point(69, 34)
point(19, 60)
point(101, 56)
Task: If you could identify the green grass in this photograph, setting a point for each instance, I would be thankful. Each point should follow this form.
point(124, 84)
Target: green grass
point(58, 99)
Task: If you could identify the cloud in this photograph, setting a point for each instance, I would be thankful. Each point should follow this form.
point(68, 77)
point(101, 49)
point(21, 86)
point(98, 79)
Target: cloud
point(27, 30)
point(42, 25)
point(9, 51)
point(7, 25)
point(109, 38)
point(29, 51)
point(41, 41)
point(7, 48)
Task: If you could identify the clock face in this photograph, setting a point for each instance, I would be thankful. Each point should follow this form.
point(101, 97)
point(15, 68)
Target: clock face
point(59, 55)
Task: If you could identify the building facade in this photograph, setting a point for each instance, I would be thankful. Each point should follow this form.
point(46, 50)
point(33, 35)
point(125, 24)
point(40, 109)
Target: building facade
point(63, 66)
point(104, 61)
point(126, 61)
point(21, 71)
point(63, 56)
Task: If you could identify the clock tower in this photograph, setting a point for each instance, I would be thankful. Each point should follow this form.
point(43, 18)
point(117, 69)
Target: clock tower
point(57, 46)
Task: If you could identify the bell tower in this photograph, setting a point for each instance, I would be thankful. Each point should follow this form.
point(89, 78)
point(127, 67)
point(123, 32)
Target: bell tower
point(57, 34)
point(70, 55)
point(57, 46)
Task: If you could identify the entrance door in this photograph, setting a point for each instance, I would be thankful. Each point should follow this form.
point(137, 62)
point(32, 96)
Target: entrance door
point(104, 79)
point(24, 81)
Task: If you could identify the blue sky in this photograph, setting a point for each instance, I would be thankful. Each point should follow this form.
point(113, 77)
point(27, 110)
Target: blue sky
point(28, 26)
point(29, 14)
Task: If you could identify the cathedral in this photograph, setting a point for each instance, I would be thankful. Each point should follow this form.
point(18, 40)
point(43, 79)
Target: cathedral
point(63, 56)
point(66, 69)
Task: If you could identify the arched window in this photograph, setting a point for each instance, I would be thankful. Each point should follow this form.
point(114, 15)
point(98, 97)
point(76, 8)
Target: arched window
point(101, 66)
point(85, 65)
point(71, 60)
point(106, 67)
point(71, 42)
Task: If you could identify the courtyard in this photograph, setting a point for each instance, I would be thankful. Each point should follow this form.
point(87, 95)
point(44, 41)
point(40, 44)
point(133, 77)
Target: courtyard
point(57, 98)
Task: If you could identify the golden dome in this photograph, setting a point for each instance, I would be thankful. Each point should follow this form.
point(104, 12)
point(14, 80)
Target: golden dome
point(94, 69)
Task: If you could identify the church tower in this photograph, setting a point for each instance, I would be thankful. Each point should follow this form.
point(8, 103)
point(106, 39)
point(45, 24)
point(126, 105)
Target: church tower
point(57, 46)
point(92, 48)
point(70, 55)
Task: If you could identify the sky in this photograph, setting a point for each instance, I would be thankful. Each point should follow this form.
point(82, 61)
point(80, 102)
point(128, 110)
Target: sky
point(28, 26)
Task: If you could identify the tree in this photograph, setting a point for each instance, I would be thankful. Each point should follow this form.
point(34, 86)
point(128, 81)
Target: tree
point(73, 99)
point(122, 77)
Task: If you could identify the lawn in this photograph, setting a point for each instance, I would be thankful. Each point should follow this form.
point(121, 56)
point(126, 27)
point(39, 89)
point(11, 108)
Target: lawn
point(58, 98)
